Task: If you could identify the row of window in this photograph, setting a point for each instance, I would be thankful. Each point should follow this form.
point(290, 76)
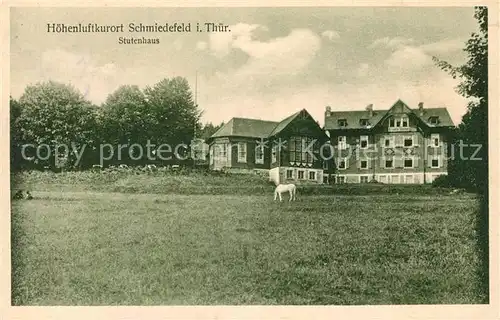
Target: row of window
point(299, 148)
point(389, 162)
point(301, 174)
point(221, 151)
point(399, 122)
point(392, 179)
point(394, 122)
point(389, 141)
point(299, 151)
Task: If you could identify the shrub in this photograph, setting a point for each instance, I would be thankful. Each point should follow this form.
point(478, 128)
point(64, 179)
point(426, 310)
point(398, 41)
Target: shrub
point(443, 181)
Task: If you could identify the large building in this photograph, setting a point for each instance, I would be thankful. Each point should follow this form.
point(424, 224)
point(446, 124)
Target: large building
point(287, 151)
point(398, 145)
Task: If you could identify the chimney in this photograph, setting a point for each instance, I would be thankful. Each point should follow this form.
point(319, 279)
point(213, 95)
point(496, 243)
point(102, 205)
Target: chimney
point(328, 111)
point(369, 108)
point(421, 108)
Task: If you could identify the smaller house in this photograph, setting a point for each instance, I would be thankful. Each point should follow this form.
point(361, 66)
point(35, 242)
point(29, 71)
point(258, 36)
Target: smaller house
point(288, 151)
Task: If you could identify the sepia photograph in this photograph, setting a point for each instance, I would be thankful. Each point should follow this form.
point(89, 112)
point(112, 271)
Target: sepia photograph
point(249, 156)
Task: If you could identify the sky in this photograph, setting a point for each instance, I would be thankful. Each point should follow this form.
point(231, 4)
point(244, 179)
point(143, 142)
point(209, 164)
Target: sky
point(272, 63)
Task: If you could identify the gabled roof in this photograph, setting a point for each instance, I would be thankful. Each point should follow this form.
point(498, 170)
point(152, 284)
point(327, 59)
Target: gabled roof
point(282, 125)
point(353, 117)
point(254, 128)
point(243, 127)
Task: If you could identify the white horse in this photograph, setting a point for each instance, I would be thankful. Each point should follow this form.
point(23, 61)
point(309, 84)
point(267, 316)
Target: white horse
point(281, 188)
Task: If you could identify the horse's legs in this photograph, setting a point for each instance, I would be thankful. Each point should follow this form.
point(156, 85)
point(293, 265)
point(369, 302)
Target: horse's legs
point(291, 195)
point(275, 195)
point(281, 199)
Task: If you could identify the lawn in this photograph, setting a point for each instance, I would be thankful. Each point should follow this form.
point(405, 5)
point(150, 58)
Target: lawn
point(116, 248)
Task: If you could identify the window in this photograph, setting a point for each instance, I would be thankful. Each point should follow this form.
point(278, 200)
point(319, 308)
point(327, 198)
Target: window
point(293, 149)
point(364, 164)
point(301, 174)
point(433, 120)
point(274, 157)
point(342, 123)
point(395, 179)
point(408, 141)
point(223, 150)
point(289, 174)
point(363, 122)
point(341, 179)
point(389, 142)
point(408, 163)
point(259, 154)
point(435, 140)
point(392, 122)
point(242, 152)
point(342, 144)
point(435, 162)
point(389, 163)
point(363, 142)
point(409, 178)
point(325, 164)
point(325, 179)
point(404, 122)
point(300, 150)
point(399, 122)
point(363, 179)
point(382, 179)
point(312, 175)
point(342, 163)
point(416, 179)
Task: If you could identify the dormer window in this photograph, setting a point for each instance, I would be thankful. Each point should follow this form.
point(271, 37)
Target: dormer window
point(363, 122)
point(399, 122)
point(342, 122)
point(434, 120)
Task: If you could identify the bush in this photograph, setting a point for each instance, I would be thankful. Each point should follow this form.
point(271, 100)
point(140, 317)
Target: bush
point(443, 181)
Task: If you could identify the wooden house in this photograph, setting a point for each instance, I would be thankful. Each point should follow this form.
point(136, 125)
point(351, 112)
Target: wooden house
point(287, 151)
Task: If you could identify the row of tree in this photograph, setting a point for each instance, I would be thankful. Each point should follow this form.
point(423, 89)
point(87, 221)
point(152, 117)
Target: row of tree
point(52, 115)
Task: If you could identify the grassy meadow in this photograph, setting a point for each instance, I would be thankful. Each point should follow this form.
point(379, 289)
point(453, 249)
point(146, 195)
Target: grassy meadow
point(126, 239)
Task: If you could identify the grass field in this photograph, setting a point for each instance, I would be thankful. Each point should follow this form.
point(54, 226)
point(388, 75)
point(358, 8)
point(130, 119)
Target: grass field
point(76, 246)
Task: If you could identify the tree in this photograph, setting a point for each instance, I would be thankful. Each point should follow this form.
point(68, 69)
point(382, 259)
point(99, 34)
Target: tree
point(162, 114)
point(473, 130)
point(170, 103)
point(208, 130)
point(125, 116)
point(15, 139)
point(55, 114)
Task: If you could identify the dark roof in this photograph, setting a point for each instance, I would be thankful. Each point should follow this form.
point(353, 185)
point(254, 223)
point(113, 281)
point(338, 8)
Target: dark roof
point(442, 113)
point(353, 118)
point(254, 128)
point(246, 128)
point(282, 125)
